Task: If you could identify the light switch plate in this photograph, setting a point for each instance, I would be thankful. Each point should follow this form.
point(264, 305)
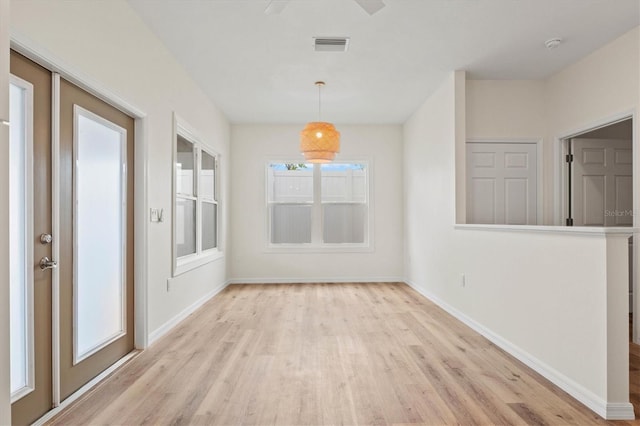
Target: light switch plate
point(156, 215)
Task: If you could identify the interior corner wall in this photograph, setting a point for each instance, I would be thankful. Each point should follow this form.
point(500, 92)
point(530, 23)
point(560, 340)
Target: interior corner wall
point(5, 398)
point(108, 43)
point(505, 110)
point(429, 188)
point(253, 145)
point(520, 289)
point(600, 87)
point(461, 142)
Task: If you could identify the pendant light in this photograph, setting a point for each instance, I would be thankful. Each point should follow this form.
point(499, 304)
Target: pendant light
point(319, 140)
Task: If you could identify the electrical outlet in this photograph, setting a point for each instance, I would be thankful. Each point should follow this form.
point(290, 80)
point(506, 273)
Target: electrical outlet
point(463, 280)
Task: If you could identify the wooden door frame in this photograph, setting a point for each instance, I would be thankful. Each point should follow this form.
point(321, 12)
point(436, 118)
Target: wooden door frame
point(561, 199)
point(59, 70)
point(539, 169)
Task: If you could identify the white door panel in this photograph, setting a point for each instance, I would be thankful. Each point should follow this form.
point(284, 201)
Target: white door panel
point(502, 183)
point(602, 182)
point(515, 200)
point(484, 189)
point(593, 201)
point(623, 200)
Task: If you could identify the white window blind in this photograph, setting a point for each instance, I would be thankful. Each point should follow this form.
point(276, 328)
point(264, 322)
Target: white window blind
point(318, 205)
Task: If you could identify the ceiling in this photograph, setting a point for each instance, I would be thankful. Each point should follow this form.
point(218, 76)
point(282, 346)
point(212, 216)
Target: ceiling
point(260, 68)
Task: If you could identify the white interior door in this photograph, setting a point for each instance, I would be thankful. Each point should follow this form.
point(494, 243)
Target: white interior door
point(502, 186)
point(602, 188)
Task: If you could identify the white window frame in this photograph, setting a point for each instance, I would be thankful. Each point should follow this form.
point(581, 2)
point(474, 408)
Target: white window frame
point(317, 222)
point(78, 112)
point(28, 248)
point(200, 257)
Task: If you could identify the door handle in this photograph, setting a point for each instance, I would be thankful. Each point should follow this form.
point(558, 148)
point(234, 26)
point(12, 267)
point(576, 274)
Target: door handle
point(46, 263)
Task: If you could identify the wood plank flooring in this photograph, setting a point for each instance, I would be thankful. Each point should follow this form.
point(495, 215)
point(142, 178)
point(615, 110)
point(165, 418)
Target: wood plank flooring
point(634, 378)
point(320, 354)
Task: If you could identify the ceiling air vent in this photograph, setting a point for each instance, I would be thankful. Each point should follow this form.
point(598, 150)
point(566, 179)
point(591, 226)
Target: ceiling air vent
point(330, 44)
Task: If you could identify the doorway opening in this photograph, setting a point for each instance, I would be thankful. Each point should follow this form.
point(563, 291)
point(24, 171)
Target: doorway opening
point(599, 176)
point(598, 180)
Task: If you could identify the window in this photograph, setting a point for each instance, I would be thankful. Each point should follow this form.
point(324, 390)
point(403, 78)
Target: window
point(100, 197)
point(319, 206)
point(195, 218)
point(20, 238)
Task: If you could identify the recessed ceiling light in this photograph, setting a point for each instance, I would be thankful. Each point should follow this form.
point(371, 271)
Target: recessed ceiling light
point(552, 43)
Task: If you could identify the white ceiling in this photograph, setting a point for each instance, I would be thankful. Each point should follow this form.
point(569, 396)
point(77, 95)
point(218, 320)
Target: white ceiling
point(261, 68)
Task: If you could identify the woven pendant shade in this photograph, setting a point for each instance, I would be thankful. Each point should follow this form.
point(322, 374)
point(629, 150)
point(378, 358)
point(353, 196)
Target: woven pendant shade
point(319, 142)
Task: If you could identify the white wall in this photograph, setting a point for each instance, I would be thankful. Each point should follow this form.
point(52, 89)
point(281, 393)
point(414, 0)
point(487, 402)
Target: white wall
point(253, 146)
point(429, 187)
point(5, 399)
point(111, 46)
point(600, 85)
point(505, 109)
point(522, 289)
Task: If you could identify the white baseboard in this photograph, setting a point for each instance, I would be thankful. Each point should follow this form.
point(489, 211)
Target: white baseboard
point(167, 326)
point(620, 411)
point(307, 280)
point(608, 411)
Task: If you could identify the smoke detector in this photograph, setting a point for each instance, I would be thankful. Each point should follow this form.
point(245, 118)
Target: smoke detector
point(552, 43)
point(330, 44)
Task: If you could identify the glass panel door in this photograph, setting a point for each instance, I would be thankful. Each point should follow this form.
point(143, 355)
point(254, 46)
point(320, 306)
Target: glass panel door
point(30, 194)
point(99, 255)
point(96, 236)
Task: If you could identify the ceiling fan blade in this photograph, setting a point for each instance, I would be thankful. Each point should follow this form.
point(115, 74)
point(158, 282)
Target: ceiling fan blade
point(371, 6)
point(275, 7)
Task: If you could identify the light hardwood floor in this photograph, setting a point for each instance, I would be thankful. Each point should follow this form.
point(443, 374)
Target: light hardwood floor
point(634, 377)
point(317, 354)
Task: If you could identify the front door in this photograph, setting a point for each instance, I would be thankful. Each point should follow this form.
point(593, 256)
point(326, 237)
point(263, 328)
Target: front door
point(90, 283)
point(30, 226)
point(96, 243)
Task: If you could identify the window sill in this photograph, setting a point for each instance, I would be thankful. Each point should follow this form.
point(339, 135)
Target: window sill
point(325, 248)
point(21, 393)
point(188, 263)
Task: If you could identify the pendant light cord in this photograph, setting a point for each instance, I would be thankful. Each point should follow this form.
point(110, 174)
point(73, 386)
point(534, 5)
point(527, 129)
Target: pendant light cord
point(319, 84)
point(319, 102)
